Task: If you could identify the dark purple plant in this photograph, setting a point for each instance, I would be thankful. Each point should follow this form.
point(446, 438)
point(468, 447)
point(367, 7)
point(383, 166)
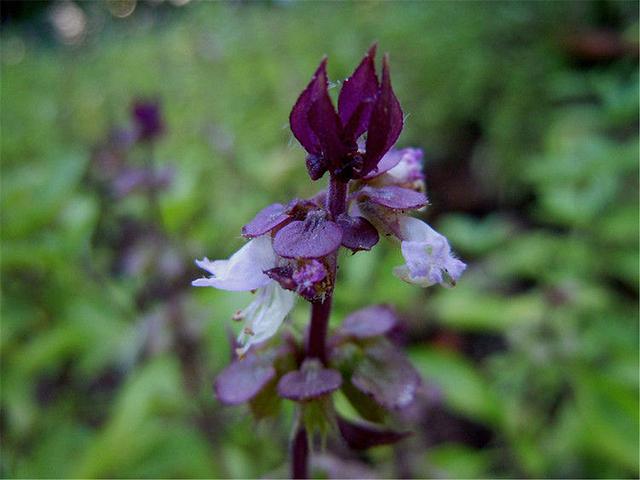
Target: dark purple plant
point(293, 251)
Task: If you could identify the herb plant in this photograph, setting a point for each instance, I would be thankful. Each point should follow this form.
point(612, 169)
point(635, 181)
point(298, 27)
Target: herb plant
point(293, 251)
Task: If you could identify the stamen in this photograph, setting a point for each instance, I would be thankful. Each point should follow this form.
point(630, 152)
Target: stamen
point(248, 331)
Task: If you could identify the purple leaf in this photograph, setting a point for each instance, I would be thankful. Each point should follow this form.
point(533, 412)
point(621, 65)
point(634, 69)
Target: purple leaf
point(394, 197)
point(361, 436)
point(311, 381)
point(314, 237)
point(386, 375)
point(358, 96)
point(357, 233)
point(385, 124)
point(265, 220)
point(369, 322)
point(244, 379)
point(299, 117)
point(326, 126)
point(386, 163)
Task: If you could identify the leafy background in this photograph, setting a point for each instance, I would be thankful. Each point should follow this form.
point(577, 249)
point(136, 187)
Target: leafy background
point(528, 116)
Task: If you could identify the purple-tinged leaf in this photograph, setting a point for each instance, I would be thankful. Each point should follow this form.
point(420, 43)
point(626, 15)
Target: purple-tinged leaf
point(394, 197)
point(369, 322)
point(357, 233)
point(265, 220)
point(299, 117)
point(386, 163)
point(314, 237)
point(358, 96)
point(311, 381)
point(244, 379)
point(325, 123)
point(386, 375)
point(385, 124)
point(361, 435)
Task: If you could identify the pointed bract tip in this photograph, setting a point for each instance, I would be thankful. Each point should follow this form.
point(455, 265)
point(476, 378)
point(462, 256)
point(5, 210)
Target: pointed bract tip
point(321, 70)
point(372, 50)
point(385, 67)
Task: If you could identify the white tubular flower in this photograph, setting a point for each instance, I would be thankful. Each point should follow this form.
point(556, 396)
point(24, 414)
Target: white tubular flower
point(264, 315)
point(427, 254)
point(245, 271)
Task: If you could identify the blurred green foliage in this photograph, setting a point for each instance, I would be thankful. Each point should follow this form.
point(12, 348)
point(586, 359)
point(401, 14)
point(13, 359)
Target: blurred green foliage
point(531, 150)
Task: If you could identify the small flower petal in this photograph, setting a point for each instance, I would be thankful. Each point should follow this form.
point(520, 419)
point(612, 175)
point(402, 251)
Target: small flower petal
point(409, 168)
point(394, 197)
point(243, 271)
point(264, 315)
point(399, 167)
point(387, 162)
point(428, 256)
point(265, 220)
point(314, 237)
point(311, 381)
point(369, 322)
point(357, 233)
point(244, 379)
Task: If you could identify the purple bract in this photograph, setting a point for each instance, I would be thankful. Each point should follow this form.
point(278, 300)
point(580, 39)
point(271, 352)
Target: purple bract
point(364, 105)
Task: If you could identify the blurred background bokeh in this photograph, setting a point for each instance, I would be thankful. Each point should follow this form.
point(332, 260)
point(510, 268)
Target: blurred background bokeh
point(528, 116)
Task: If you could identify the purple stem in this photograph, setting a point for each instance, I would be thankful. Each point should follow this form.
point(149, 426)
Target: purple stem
point(316, 342)
point(320, 311)
point(300, 455)
point(337, 197)
point(317, 339)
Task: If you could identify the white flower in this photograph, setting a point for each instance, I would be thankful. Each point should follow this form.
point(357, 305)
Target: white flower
point(427, 254)
point(245, 271)
point(264, 315)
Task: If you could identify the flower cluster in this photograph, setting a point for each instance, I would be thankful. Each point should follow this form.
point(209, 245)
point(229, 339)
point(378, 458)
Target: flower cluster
point(114, 170)
point(292, 251)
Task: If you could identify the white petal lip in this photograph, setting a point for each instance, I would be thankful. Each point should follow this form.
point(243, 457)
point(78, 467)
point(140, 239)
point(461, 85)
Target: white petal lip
point(264, 315)
point(244, 270)
point(427, 254)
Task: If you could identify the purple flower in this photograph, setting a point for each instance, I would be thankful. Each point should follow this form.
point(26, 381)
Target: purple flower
point(147, 118)
point(428, 256)
point(364, 105)
point(400, 167)
point(383, 198)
